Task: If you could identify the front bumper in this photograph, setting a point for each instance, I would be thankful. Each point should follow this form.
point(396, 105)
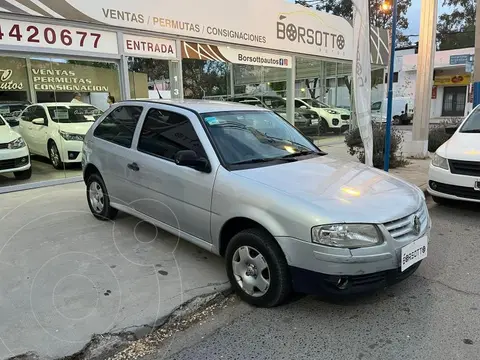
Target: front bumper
point(442, 183)
point(14, 160)
point(71, 151)
point(325, 265)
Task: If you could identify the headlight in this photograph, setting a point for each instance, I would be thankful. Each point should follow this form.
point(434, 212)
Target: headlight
point(17, 143)
point(71, 137)
point(332, 112)
point(347, 235)
point(440, 162)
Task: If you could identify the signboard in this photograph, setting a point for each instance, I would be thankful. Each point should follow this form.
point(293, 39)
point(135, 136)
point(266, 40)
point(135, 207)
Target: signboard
point(36, 35)
point(233, 55)
point(459, 59)
point(278, 25)
point(149, 47)
point(446, 80)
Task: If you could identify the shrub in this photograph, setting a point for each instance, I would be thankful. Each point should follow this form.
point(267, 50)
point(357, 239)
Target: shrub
point(355, 146)
point(438, 136)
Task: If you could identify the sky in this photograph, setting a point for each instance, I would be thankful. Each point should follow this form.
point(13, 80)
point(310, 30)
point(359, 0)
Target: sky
point(413, 16)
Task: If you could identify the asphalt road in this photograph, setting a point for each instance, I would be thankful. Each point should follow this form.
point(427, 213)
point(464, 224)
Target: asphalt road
point(435, 314)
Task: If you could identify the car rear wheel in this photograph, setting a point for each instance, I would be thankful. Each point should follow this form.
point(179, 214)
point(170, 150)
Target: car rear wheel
point(23, 175)
point(257, 268)
point(54, 155)
point(396, 120)
point(98, 199)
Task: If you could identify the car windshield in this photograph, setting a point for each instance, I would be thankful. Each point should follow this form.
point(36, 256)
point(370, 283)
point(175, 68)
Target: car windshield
point(244, 137)
point(472, 124)
point(2, 121)
point(315, 103)
point(74, 114)
point(11, 110)
point(273, 102)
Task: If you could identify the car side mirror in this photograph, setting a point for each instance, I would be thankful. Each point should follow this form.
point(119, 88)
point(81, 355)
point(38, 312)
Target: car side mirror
point(450, 130)
point(303, 107)
point(190, 158)
point(38, 121)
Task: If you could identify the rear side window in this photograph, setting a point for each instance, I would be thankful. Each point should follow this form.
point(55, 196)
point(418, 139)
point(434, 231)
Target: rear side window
point(165, 133)
point(119, 126)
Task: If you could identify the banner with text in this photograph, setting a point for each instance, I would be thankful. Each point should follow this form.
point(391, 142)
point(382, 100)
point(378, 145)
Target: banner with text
point(149, 47)
point(233, 55)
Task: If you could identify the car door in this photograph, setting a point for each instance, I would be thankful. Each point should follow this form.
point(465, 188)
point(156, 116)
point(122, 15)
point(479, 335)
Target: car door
point(39, 133)
point(178, 196)
point(111, 149)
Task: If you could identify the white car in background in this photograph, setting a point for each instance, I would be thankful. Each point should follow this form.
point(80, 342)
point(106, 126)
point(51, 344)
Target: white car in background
point(331, 119)
point(402, 111)
point(454, 172)
point(57, 130)
point(14, 155)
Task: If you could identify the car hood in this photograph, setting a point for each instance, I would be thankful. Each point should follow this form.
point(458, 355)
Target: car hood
point(76, 128)
point(345, 191)
point(7, 134)
point(461, 146)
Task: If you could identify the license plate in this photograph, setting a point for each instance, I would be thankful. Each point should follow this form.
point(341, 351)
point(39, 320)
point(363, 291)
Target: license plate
point(414, 252)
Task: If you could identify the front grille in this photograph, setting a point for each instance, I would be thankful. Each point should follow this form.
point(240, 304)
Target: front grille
point(470, 168)
point(459, 191)
point(403, 229)
point(4, 146)
point(13, 163)
point(345, 117)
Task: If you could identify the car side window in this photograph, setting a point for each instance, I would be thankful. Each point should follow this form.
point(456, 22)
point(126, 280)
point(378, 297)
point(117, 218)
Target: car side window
point(298, 104)
point(40, 114)
point(377, 105)
point(28, 113)
point(164, 133)
point(119, 126)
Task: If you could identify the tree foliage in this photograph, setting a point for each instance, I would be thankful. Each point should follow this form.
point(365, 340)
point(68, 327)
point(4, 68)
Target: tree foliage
point(456, 29)
point(378, 17)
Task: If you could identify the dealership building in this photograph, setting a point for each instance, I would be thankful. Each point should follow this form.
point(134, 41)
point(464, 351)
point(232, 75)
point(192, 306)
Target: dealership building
point(51, 50)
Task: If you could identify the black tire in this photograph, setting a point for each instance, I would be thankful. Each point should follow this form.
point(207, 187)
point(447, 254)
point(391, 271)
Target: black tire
point(280, 285)
point(440, 200)
point(396, 120)
point(52, 150)
point(323, 127)
point(106, 212)
point(23, 175)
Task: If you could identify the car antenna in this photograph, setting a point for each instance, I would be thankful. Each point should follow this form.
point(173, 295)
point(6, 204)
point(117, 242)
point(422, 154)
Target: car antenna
point(158, 91)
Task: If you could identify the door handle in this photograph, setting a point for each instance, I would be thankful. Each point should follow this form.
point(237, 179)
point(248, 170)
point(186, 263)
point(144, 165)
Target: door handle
point(133, 166)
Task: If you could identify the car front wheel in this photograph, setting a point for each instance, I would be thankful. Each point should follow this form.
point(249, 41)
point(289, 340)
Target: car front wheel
point(23, 175)
point(54, 155)
point(257, 268)
point(98, 199)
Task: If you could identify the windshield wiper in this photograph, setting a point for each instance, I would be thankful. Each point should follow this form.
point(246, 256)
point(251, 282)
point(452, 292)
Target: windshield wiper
point(472, 131)
point(263, 160)
point(301, 153)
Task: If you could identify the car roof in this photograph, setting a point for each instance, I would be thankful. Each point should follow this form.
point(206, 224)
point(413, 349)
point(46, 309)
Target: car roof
point(200, 106)
point(63, 104)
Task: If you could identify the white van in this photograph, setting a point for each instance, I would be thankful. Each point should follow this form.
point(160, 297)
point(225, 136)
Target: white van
point(402, 111)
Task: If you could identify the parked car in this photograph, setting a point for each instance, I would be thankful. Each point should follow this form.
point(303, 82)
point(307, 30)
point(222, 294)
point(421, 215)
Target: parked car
point(242, 182)
point(306, 120)
point(56, 130)
point(454, 172)
point(14, 155)
point(11, 110)
point(402, 111)
point(331, 119)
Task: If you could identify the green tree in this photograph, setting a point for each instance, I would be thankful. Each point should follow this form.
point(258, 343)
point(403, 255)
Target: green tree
point(456, 29)
point(378, 17)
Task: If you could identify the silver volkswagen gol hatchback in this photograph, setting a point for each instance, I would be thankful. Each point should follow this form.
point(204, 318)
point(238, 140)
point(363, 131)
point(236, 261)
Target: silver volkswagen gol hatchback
point(243, 183)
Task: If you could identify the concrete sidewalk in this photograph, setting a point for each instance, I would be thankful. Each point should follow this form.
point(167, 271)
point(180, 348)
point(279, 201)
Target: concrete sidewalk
point(67, 276)
point(416, 172)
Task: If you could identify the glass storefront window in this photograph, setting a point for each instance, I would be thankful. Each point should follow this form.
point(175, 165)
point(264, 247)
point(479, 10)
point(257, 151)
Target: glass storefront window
point(205, 79)
point(323, 87)
point(49, 105)
point(149, 78)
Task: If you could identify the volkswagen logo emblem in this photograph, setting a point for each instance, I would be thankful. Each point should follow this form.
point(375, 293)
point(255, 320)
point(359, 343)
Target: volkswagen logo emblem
point(416, 225)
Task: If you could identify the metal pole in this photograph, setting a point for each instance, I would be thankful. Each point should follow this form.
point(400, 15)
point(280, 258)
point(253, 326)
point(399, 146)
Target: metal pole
point(386, 158)
point(476, 71)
